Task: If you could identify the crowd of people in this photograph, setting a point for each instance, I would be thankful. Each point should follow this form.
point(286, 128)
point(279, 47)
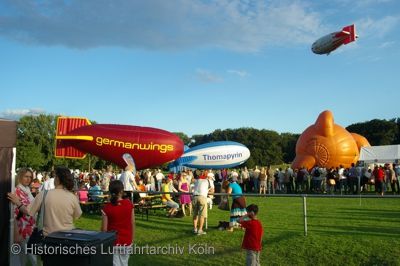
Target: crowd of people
point(264, 180)
point(338, 180)
point(64, 189)
point(335, 180)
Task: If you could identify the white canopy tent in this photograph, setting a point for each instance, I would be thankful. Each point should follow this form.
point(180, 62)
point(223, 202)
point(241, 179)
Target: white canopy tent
point(380, 154)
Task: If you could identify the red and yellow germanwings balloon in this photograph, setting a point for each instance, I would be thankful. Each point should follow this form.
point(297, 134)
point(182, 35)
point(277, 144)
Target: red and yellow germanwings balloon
point(149, 147)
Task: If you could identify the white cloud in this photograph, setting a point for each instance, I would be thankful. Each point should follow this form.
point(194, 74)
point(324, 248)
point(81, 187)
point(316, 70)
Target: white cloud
point(247, 26)
point(240, 73)
point(365, 3)
point(16, 114)
point(371, 58)
point(207, 76)
point(376, 28)
point(362, 3)
point(387, 44)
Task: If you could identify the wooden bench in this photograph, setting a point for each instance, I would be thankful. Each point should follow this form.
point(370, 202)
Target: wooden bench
point(150, 203)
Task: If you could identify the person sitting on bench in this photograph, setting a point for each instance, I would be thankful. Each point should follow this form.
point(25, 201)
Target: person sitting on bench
point(166, 198)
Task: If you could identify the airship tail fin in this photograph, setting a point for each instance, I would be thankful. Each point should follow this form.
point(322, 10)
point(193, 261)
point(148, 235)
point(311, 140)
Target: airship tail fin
point(65, 125)
point(176, 165)
point(351, 31)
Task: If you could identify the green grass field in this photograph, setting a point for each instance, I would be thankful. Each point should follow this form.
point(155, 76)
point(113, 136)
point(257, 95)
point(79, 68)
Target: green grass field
point(340, 232)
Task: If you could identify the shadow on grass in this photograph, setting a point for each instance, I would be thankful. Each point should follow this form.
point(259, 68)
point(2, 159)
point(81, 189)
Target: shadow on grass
point(162, 226)
point(166, 231)
point(216, 257)
point(372, 212)
point(353, 217)
point(369, 216)
point(386, 232)
point(282, 236)
point(163, 218)
point(89, 216)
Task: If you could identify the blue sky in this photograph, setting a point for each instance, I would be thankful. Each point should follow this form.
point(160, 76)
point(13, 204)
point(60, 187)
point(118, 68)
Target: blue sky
point(196, 66)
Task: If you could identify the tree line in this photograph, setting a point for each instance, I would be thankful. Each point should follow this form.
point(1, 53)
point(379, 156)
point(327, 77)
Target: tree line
point(36, 142)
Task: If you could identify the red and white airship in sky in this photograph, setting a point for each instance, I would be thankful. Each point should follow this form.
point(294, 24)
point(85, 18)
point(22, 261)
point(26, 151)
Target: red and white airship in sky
point(332, 41)
point(146, 146)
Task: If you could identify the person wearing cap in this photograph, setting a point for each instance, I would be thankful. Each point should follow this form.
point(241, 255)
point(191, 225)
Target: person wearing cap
point(238, 208)
point(200, 192)
point(171, 177)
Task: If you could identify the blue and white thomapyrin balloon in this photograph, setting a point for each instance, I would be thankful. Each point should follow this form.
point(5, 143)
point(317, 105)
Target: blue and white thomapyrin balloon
point(214, 155)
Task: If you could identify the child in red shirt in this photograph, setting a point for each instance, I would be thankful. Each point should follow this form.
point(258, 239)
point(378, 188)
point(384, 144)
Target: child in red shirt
point(119, 215)
point(252, 236)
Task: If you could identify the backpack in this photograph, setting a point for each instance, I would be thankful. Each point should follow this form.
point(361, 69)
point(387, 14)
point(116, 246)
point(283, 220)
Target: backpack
point(316, 172)
point(179, 214)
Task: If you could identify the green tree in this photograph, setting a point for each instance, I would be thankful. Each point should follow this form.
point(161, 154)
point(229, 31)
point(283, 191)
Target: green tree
point(377, 131)
point(288, 142)
point(36, 144)
point(30, 155)
point(185, 138)
point(35, 141)
point(264, 145)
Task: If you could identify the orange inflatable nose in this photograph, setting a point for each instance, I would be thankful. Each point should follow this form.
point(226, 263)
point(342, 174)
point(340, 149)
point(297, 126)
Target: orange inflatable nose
point(327, 144)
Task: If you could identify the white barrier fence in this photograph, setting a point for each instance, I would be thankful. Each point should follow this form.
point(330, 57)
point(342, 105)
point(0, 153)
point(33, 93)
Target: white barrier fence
point(303, 196)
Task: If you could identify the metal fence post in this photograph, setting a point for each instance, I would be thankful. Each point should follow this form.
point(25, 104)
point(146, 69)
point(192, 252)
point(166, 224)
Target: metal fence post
point(305, 214)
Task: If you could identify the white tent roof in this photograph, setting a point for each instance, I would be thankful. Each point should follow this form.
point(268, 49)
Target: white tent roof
point(380, 154)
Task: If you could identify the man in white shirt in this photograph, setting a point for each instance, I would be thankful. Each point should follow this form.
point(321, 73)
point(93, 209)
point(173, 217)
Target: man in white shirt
point(342, 179)
point(128, 180)
point(256, 175)
point(211, 179)
point(281, 179)
point(289, 180)
point(244, 175)
point(200, 192)
point(159, 178)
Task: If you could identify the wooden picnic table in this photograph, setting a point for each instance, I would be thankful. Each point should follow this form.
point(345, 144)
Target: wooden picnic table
point(150, 202)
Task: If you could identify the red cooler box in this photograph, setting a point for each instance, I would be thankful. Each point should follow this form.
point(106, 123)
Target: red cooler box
point(78, 247)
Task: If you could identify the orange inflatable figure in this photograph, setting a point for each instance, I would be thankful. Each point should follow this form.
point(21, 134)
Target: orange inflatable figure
point(327, 145)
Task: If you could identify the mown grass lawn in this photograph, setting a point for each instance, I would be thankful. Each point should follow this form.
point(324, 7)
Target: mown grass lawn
point(340, 232)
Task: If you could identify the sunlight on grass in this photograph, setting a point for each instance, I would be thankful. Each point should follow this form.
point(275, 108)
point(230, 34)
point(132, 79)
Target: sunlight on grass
point(340, 232)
